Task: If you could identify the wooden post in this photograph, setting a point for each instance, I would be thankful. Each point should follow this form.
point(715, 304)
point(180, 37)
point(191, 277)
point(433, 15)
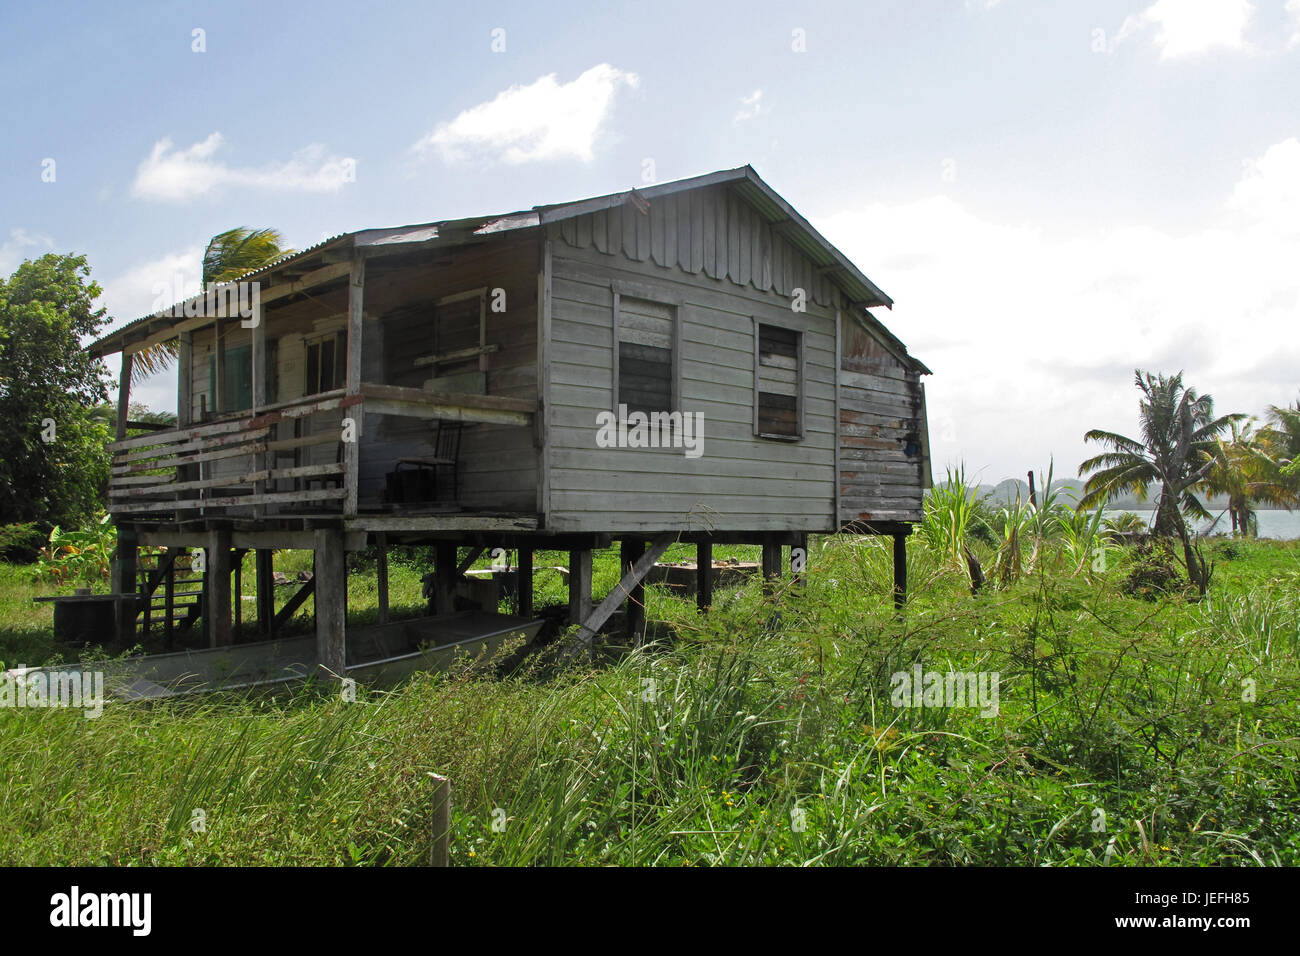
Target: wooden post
point(124, 395)
point(216, 583)
point(441, 853)
point(123, 581)
point(444, 570)
point(524, 598)
point(258, 358)
point(351, 456)
point(265, 590)
point(169, 597)
point(629, 551)
point(900, 569)
point(704, 575)
point(381, 573)
point(331, 604)
point(771, 559)
point(184, 379)
point(1033, 493)
point(632, 577)
point(218, 386)
point(239, 588)
point(579, 585)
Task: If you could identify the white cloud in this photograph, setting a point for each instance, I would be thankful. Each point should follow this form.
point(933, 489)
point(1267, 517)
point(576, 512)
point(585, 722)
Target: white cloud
point(544, 120)
point(149, 286)
point(19, 246)
point(750, 106)
point(1269, 192)
point(1189, 27)
point(1033, 334)
point(1293, 11)
point(171, 175)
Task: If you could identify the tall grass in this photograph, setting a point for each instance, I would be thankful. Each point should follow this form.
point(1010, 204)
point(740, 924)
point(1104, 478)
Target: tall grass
point(762, 733)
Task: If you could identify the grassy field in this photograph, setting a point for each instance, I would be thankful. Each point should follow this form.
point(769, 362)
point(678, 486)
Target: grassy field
point(1128, 731)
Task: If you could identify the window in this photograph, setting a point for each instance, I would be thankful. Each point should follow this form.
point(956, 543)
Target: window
point(326, 370)
point(778, 382)
point(647, 345)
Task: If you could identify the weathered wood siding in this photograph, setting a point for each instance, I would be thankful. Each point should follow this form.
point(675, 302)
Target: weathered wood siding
point(882, 418)
point(723, 267)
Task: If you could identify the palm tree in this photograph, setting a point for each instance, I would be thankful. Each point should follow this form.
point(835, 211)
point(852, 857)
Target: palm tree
point(229, 255)
point(1281, 440)
point(1178, 432)
point(1244, 471)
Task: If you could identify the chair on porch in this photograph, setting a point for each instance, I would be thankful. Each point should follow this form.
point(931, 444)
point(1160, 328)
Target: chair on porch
point(445, 459)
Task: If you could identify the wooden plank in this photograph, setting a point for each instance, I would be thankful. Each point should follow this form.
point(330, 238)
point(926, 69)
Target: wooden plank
point(140, 480)
point(704, 575)
point(524, 600)
point(440, 853)
point(543, 431)
point(291, 606)
point(181, 434)
point(448, 412)
point(381, 575)
point(283, 497)
point(149, 457)
point(471, 352)
point(265, 565)
point(447, 522)
point(394, 393)
point(124, 395)
point(305, 471)
point(216, 585)
point(633, 577)
point(630, 549)
point(900, 570)
point(184, 379)
point(580, 585)
point(331, 604)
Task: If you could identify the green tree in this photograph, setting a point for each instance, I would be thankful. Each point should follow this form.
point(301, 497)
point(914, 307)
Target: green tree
point(229, 255)
point(53, 462)
point(1176, 452)
point(1281, 439)
point(1244, 472)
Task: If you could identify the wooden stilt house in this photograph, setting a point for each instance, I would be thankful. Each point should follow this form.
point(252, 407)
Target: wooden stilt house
point(689, 361)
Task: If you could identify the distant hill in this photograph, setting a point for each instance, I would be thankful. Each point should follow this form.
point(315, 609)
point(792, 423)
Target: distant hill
point(1070, 491)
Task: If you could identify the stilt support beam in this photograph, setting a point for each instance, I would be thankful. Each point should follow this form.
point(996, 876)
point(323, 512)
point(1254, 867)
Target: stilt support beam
point(216, 582)
point(331, 604)
point(631, 579)
point(704, 575)
point(579, 585)
point(900, 569)
point(381, 572)
point(525, 593)
point(630, 552)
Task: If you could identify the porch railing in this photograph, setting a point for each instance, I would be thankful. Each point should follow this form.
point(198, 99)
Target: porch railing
point(226, 464)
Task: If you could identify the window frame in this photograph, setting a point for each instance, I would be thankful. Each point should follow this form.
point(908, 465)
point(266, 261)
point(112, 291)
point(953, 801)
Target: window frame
point(339, 338)
point(633, 290)
point(801, 379)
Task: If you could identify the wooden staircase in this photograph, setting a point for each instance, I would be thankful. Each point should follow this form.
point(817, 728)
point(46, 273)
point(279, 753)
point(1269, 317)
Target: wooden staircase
point(171, 594)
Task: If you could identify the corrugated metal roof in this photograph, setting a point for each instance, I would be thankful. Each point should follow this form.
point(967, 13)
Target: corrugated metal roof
point(861, 291)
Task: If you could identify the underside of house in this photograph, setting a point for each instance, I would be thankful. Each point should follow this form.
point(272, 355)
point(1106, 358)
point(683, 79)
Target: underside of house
point(685, 362)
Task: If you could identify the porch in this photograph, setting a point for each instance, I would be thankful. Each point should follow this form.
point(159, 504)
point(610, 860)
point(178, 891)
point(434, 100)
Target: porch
point(268, 463)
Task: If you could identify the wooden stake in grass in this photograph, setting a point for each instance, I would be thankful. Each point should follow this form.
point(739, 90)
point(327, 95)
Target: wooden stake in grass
point(441, 852)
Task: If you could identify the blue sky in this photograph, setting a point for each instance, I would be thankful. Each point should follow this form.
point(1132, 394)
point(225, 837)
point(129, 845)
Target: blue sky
point(1052, 193)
